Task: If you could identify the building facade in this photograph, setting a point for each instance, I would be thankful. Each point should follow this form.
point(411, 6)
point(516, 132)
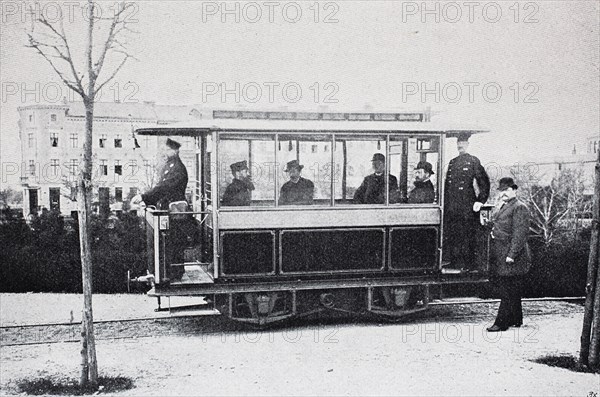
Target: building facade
point(52, 138)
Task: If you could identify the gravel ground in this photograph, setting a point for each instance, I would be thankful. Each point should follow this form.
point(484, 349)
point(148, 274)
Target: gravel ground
point(430, 355)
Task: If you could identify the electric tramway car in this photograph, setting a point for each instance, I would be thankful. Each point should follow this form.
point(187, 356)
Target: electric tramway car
point(266, 261)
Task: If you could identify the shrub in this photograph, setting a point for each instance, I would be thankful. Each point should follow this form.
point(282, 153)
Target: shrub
point(46, 258)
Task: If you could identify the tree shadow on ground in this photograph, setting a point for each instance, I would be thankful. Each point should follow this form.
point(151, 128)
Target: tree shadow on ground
point(58, 386)
point(564, 361)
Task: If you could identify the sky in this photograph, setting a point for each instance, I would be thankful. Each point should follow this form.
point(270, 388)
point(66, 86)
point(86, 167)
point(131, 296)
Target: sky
point(527, 71)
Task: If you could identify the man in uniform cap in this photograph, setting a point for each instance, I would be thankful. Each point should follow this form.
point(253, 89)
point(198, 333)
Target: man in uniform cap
point(298, 190)
point(172, 181)
point(511, 255)
point(372, 190)
point(170, 188)
point(239, 191)
point(462, 203)
point(423, 191)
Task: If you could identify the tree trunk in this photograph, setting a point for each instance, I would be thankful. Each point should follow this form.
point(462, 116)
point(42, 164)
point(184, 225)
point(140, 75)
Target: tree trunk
point(85, 193)
point(85, 196)
point(591, 318)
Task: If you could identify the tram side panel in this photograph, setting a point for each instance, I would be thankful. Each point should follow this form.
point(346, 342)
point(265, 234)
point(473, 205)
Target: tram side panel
point(292, 252)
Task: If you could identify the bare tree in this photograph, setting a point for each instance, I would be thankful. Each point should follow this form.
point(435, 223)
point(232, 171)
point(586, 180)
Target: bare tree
point(559, 205)
point(49, 39)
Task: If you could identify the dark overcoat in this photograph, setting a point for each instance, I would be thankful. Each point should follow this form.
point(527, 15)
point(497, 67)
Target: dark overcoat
point(170, 187)
point(372, 190)
point(298, 193)
point(422, 193)
point(238, 193)
point(509, 234)
point(459, 190)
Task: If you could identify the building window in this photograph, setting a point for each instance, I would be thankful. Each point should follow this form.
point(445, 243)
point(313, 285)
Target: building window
point(73, 166)
point(54, 139)
point(118, 141)
point(118, 168)
point(74, 140)
point(103, 167)
point(119, 194)
point(53, 117)
point(147, 141)
point(132, 193)
point(132, 166)
point(54, 164)
point(30, 139)
point(31, 118)
point(31, 167)
point(102, 140)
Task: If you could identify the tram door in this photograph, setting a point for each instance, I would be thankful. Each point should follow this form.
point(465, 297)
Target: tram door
point(203, 195)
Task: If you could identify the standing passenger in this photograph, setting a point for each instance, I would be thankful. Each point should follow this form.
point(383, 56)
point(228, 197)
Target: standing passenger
point(462, 203)
point(512, 258)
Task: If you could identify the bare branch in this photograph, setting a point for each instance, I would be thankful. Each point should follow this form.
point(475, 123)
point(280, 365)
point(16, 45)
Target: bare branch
point(114, 72)
point(116, 27)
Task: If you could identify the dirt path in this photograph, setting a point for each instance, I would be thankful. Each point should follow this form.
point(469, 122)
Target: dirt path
point(426, 357)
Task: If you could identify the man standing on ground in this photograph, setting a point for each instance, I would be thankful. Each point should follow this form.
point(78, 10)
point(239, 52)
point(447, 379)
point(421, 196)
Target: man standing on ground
point(511, 255)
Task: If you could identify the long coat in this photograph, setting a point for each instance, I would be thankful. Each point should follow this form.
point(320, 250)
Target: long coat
point(170, 187)
point(509, 234)
point(459, 192)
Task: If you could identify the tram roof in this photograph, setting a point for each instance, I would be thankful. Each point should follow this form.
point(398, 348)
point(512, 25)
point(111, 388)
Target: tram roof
point(196, 127)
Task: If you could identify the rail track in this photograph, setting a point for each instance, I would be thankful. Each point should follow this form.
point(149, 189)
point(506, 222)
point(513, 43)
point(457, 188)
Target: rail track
point(204, 323)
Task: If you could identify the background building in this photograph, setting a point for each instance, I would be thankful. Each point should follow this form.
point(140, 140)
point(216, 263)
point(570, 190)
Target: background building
point(52, 138)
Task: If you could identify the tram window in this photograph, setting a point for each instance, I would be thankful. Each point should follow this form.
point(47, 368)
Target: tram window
point(411, 159)
point(255, 186)
point(352, 164)
point(312, 154)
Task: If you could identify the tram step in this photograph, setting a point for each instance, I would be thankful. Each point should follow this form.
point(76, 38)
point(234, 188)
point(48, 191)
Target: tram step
point(194, 274)
point(187, 306)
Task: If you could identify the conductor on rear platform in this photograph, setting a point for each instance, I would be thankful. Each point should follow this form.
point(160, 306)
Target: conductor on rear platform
point(462, 203)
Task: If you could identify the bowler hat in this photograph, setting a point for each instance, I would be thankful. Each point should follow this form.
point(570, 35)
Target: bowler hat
point(293, 164)
point(239, 166)
point(506, 182)
point(378, 157)
point(463, 137)
point(173, 144)
point(424, 165)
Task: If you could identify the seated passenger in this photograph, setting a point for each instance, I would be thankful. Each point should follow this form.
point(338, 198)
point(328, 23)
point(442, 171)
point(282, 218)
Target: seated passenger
point(298, 190)
point(238, 193)
point(372, 190)
point(423, 192)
